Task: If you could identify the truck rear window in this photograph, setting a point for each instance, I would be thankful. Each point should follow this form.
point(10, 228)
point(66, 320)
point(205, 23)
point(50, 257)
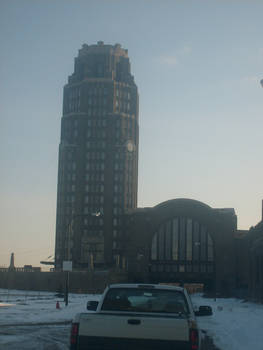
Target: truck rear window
point(145, 300)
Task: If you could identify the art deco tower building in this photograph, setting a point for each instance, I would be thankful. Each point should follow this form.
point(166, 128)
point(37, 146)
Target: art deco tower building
point(98, 157)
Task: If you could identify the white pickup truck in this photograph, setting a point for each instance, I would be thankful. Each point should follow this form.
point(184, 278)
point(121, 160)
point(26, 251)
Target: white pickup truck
point(138, 317)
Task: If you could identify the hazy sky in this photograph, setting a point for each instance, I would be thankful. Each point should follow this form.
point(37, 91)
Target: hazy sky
point(197, 65)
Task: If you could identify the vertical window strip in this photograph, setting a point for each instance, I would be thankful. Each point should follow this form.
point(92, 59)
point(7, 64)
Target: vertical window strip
point(154, 247)
point(210, 248)
point(182, 239)
point(196, 241)
point(203, 244)
point(189, 240)
point(161, 243)
point(168, 241)
point(175, 239)
point(186, 240)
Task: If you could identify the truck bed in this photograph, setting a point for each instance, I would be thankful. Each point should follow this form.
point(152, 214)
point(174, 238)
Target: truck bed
point(132, 331)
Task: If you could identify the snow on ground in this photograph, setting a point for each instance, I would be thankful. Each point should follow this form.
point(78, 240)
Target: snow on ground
point(31, 318)
point(20, 307)
point(234, 325)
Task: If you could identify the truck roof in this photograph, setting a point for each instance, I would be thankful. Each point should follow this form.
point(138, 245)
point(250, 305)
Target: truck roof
point(145, 285)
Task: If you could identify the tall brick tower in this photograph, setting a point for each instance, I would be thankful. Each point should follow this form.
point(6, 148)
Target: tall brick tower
point(98, 157)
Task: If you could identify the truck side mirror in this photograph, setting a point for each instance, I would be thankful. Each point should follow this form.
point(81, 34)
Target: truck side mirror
point(204, 311)
point(92, 305)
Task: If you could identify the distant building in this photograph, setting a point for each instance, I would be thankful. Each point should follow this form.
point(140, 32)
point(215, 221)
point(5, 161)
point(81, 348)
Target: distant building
point(255, 245)
point(12, 262)
point(98, 157)
point(30, 268)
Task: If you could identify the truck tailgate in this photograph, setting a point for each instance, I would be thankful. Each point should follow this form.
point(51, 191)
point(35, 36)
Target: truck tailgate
point(111, 331)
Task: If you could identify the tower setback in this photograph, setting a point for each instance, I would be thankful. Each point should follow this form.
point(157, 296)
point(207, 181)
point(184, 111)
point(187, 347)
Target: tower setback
point(98, 157)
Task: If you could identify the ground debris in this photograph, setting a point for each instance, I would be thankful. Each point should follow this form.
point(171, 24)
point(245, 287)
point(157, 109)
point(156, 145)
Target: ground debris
point(208, 344)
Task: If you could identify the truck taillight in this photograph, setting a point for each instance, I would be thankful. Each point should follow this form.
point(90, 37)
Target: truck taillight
point(74, 336)
point(194, 339)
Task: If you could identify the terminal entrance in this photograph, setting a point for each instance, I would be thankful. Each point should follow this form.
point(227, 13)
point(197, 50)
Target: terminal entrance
point(182, 251)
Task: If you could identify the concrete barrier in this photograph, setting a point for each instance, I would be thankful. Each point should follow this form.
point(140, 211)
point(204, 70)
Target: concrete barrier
point(79, 282)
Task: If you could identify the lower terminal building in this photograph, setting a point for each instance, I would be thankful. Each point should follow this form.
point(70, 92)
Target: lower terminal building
point(183, 241)
point(254, 241)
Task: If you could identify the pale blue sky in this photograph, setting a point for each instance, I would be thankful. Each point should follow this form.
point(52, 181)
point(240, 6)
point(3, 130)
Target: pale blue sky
point(197, 65)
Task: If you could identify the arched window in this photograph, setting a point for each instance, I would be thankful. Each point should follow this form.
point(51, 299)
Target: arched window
point(184, 245)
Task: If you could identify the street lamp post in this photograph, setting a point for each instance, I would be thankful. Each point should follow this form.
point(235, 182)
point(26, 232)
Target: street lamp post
point(66, 264)
point(67, 267)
